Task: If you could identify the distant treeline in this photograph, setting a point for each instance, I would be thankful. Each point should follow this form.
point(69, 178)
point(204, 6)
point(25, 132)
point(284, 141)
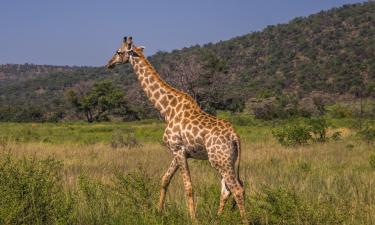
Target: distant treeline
point(299, 68)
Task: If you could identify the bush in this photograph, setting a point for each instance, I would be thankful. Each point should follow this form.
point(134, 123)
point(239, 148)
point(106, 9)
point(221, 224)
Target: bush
point(340, 110)
point(318, 126)
point(280, 206)
point(287, 206)
point(292, 134)
point(302, 131)
point(367, 133)
point(31, 192)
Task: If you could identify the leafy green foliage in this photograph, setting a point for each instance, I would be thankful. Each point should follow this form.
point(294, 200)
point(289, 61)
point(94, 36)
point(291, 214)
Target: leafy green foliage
point(367, 133)
point(292, 134)
point(300, 132)
point(340, 110)
point(102, 99)
point(318, 127)
point(281, 206)
point(284, 206)
point(32, 193)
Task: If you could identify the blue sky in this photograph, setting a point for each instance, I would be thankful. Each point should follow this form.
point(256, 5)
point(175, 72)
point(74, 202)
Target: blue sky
point(83, 32)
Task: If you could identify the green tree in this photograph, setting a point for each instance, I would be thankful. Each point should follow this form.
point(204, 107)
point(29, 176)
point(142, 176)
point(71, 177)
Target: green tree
point(102, 99)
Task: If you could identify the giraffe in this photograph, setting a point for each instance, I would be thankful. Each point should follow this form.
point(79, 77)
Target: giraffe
point(190, 132)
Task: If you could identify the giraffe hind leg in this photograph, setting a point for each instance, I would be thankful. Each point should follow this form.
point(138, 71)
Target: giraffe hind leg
point(234, 203)
point(225, 193)
point(225, 167)
point(185, 172)
point(237, 190)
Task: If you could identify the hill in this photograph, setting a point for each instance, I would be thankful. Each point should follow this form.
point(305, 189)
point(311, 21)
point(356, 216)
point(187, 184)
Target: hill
point(292, 68)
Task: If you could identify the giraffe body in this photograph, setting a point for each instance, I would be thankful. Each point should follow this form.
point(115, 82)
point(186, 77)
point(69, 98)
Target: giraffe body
point(190, 132)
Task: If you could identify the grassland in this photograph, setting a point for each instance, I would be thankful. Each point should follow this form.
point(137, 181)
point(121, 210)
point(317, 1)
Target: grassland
point(92, 182)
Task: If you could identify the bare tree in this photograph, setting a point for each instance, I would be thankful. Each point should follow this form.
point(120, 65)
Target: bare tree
point(184, 73)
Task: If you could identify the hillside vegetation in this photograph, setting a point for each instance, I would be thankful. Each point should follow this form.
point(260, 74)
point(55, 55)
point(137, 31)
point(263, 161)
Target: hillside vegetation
point(288, 69)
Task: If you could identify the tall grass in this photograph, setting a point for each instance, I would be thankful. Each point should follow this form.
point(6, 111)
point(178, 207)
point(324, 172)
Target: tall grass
point(320, 183)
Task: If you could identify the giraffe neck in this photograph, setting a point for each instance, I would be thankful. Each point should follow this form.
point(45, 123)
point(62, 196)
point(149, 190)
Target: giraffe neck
point(164, 97)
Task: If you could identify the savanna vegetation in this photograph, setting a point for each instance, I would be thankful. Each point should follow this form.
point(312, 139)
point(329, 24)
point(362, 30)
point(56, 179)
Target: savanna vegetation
point(301, 96)
point(109, 173)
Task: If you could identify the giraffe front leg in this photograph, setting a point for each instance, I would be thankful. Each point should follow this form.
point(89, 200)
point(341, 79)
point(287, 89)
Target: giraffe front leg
point(166, 180)
point(185, 172)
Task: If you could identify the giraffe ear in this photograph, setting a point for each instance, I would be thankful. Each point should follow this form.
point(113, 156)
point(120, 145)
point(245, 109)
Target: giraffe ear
point(130, 40)
point(141, 48)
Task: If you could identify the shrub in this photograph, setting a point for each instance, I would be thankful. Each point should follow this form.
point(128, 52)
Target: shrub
point(367, 133)
point(318, 126)
point(340, 110)
point(300, 132)
point(292, 134)
point(31, 192)
point(284, 205)
point(280, 206)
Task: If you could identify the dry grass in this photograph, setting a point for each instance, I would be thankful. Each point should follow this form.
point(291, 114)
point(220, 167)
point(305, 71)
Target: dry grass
point(335, 172)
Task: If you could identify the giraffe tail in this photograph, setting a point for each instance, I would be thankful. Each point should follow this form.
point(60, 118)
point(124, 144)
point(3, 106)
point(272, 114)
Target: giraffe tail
point(237, 146)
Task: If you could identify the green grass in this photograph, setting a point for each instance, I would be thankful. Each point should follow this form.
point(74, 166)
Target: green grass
point(150, 131)
point(81, 133)
point(84, 133)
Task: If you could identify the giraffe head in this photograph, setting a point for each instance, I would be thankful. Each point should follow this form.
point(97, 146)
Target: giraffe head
point(123, 54)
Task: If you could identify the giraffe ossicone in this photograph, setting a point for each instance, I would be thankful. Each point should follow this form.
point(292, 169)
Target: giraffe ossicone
point(190, 132)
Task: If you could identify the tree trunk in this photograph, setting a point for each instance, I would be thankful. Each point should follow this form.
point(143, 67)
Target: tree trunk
point(89, 116)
